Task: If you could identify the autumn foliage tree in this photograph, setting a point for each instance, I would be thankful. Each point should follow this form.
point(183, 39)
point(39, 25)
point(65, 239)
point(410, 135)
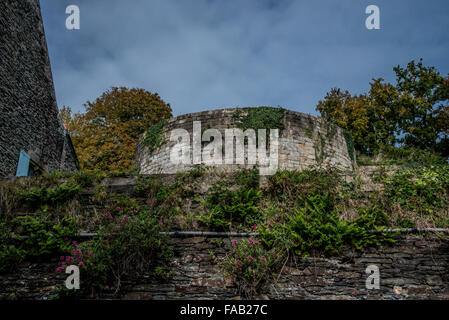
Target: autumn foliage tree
point(105, 136)
point(413, 113)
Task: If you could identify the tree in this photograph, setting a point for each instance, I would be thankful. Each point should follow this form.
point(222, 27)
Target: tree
point(351, 113)
point(105, 136)
point(423, 106)
point(413, 113)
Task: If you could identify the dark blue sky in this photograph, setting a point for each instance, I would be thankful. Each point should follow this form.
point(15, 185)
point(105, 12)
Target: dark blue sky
point(205, 54)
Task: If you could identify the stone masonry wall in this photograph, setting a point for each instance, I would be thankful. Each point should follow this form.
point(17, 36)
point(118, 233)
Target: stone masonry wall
point(413, 268)
point(299, 145)
point(29, 117)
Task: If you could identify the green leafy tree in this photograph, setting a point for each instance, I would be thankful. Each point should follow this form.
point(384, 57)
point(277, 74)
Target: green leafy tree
point(423, 104)
point(414, 113)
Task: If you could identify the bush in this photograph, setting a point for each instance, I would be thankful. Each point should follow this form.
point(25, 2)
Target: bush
point(10, 255)
point(292, 185)
point(316, 227)
point(251, 265)
point(36, 198)
point(229, 207)
point(30, 237)
point(423, 191)
point(129, 245)
point(42, 237)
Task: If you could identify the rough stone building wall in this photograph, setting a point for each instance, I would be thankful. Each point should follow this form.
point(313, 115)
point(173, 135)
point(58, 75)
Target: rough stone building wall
point(29, 117)
point(413, 268)
point(299, 145)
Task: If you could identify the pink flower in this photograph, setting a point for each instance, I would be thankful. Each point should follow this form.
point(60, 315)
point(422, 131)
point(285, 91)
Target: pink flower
point(254, 227)
point(106, 288)
point(75, 243)
point(251, 241)
point(131, 212)
point(234, 242)
point(263, 257)
point(59, 269)
point(66, 239)
point(106, 241)
point(117, 227)
point(61, 258)
point(238, 261)
point(250, 257)
point(118, 208)
point(80, 264)
point(108, 214)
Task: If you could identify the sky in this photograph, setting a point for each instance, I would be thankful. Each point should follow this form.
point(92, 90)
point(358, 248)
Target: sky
point(209, 54)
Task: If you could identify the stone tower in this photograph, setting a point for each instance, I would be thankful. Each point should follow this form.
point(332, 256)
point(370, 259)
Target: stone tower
point(30, 125)
point(306, 141)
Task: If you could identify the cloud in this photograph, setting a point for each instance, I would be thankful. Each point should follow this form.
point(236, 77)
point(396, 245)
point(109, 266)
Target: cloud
point(206, 54)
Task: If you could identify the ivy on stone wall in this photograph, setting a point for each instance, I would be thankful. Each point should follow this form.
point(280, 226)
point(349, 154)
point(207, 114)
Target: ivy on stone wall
point(154, 136)
point(349, 144)
point(319, 145)
point(261, 118)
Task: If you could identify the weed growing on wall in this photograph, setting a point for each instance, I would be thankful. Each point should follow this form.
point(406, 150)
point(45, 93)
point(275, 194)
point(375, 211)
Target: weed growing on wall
point(421, 192)
point(27, 237)
point(228, 208)
point(42, 198)
point(251, 265)
point(154, 136)
point(261, 118)
point(349, 144)
point(129, 244)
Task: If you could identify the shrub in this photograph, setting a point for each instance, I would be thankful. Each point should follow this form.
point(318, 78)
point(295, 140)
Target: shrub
point(29, 237)
point(251, 265)
point(10, 255)
point(43, 197)
point(292, 185)
point(228, 207)
point(422, 190)
point(42, 236)
point(128, 245)
point(317, 227)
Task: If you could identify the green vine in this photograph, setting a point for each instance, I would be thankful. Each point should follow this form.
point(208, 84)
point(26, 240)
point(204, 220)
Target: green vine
point(261, 118)
point(349, 144)
point(318, 146)
point(154, 136)
point(309, 133)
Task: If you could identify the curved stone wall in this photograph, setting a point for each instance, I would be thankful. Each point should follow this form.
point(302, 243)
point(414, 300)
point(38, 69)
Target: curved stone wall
point(305, 141)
